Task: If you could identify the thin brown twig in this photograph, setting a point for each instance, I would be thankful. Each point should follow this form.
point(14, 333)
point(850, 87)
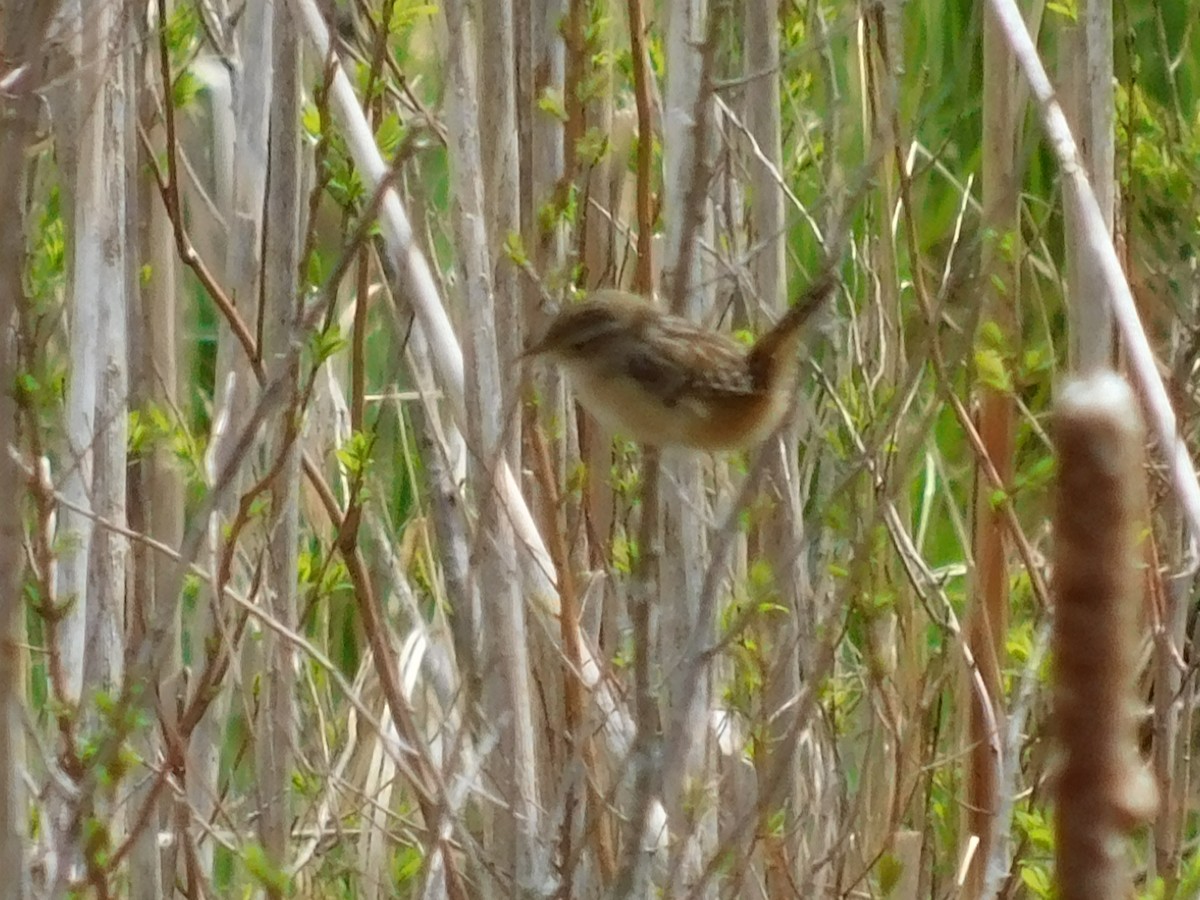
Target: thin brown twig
point(574, 693)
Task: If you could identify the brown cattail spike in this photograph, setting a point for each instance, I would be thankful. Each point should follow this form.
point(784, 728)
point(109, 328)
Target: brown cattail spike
point(1103, 789)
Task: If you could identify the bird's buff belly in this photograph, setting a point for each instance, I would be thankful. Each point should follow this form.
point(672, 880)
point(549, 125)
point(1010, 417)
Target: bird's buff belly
point(626, 407)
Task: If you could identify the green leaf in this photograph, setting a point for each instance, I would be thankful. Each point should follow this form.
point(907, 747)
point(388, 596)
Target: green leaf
point(992, 336)
point(514, 248)
point(1066, 9)
point(310, 120)
point(592, 147)
point(405, 15)
point(1037, 880)
point(776, 823)
point(624, 554)
point(990, 367)
point(315, 268)
point(185, 89)
point(390, 134)
point(1037, 474)
point(262, 870)
point(551, 101)
point(889, 869)
point(26, 386)
point(1033, 823)
point(355, 454)
point(181, 27)
point(324, 344)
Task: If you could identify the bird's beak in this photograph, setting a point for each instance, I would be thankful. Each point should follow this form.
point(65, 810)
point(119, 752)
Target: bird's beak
point(537, 348)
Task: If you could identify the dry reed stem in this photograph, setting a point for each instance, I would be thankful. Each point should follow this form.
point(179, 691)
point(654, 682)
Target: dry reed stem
point(1103, 790)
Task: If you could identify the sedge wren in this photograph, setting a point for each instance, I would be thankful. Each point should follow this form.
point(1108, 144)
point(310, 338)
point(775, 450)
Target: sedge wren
point(665, 381)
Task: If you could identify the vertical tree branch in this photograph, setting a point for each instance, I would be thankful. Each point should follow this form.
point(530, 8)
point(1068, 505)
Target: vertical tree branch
point(643, 279)
point(276, 729)
point(23, 35)
point(987, 626)
point(508, 694)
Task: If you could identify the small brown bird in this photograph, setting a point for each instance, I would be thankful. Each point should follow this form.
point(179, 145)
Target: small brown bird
point(665, 381)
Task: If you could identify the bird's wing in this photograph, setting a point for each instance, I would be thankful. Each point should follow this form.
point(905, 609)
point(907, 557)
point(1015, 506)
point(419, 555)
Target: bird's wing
point(689, 362)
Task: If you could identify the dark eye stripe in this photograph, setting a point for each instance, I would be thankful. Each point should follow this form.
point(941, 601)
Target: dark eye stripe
point(582, 329)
